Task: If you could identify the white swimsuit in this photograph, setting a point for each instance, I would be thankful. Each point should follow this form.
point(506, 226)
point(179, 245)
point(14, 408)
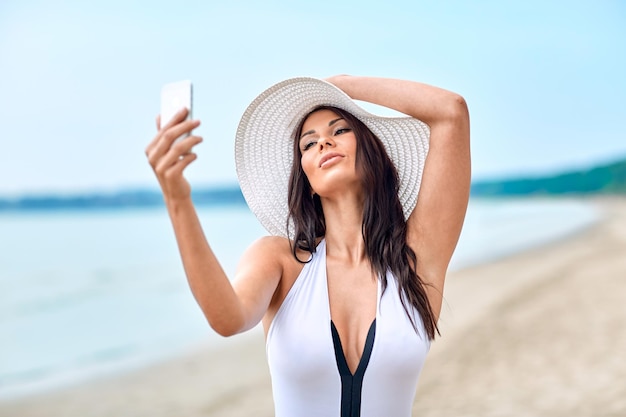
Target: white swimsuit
point(309, 374)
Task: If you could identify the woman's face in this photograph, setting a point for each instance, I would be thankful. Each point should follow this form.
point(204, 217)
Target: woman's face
point(328, 147)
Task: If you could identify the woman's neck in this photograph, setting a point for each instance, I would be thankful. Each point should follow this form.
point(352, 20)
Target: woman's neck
point(344, 236)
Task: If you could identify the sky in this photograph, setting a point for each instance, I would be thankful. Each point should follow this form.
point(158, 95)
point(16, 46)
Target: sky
point(545, 81)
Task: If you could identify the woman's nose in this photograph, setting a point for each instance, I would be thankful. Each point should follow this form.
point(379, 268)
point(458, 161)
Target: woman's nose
point(325, 142)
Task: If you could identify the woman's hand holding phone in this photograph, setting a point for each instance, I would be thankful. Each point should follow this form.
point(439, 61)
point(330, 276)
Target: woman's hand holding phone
point(169, 154)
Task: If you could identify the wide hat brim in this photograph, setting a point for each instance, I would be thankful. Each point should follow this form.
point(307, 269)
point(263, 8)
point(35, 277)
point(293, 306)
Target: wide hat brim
point(264, 146)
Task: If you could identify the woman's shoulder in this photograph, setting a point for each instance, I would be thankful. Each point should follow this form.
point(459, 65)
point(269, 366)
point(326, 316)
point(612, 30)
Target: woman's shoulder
point(273, 248)
point(277, 249)
point(272, 244)
point(279, 245)
point(277, 252)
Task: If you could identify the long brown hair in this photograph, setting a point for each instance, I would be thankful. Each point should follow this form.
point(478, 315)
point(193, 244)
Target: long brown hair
point(384, 228)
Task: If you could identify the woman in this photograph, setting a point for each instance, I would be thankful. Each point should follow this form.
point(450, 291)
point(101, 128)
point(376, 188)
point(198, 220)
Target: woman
point(349, 287)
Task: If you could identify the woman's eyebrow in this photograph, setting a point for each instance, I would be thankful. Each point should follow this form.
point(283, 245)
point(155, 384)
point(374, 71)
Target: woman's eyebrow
point(332, 122)
point(310, 132)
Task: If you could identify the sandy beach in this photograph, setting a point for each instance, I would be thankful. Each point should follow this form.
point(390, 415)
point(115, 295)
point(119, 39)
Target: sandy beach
point(540, 333)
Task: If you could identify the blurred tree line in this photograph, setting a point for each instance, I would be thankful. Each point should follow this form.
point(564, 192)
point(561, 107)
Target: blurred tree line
point(605, 179)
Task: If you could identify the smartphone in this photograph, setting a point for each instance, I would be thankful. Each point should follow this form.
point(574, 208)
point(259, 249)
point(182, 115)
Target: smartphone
point(175, 96)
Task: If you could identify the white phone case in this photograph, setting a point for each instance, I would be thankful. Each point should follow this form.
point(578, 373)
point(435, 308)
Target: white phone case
point(175, 96)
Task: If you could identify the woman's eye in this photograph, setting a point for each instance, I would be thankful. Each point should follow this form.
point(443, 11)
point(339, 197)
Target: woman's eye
point(307, 145)
point(341, 131)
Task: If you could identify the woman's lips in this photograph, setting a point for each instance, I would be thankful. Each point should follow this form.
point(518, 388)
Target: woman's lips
point(330, 159)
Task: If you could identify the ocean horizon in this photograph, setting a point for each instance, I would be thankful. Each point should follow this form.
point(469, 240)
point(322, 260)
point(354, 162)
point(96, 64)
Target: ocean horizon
point(86, 293)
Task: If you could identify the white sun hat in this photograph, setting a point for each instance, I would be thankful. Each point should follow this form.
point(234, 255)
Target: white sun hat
point(266, 132)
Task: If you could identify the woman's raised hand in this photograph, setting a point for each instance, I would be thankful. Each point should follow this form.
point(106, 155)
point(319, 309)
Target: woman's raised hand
point(169, 157)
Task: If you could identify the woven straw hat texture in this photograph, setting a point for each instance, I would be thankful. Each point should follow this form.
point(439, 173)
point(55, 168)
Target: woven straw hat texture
point(264, 146)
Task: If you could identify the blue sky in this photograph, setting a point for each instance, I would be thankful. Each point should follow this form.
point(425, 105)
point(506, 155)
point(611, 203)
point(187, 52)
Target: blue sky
point(80, 81)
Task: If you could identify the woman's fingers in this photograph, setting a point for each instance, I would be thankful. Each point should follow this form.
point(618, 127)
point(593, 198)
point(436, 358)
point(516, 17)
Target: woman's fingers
point(169, 157)
point(154, 141)
point(163, 141)
point(182, 162)
point(178, 117)
point(170, 134)
point(176, 154)
point(184, 146)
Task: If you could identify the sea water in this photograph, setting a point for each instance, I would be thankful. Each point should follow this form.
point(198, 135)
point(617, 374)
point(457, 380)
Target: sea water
point(85, 293)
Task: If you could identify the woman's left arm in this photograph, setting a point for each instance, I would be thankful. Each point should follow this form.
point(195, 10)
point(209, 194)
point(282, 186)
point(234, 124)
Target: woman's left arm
point(435, 224)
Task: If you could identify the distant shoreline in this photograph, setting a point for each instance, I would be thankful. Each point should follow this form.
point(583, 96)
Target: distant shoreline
point(217, 196)
point(207, 197)
point(604, 180)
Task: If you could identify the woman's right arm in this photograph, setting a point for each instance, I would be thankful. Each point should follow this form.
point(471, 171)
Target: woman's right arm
point(229, 308)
